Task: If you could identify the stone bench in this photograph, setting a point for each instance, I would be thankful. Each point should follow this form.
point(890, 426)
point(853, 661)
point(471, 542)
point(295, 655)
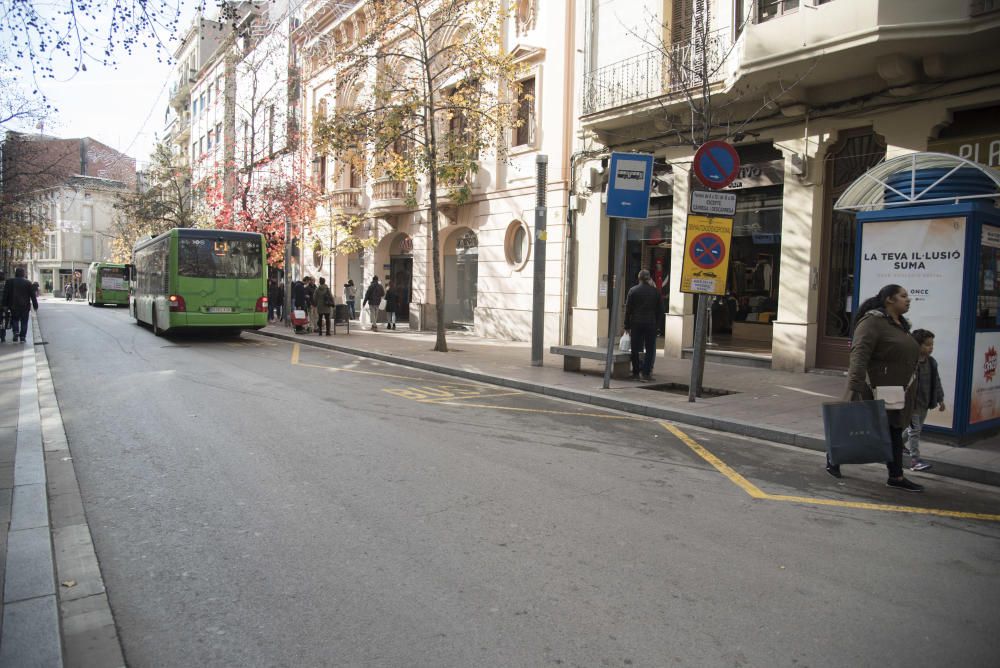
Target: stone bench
point(621, 367)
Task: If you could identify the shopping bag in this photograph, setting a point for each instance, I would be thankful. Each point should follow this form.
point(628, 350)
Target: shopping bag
point(857, 432)
point(365, 317)
point(381, 305)
point(625, 345)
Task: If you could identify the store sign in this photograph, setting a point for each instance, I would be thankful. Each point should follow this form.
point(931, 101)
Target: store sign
point(984, 149)
point(705, 269)
point(758, 175)
point(927, 257)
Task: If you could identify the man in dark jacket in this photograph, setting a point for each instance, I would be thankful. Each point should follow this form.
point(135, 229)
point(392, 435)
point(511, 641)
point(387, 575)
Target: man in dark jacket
point(3, 307)
point(373, 297)
point(19, 297)
point(643, 311)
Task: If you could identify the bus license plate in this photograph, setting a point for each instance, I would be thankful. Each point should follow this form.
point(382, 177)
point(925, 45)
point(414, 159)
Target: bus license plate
point(220, 309)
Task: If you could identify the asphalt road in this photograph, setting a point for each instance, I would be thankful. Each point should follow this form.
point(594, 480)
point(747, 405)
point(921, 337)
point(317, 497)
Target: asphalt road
point(256, 503)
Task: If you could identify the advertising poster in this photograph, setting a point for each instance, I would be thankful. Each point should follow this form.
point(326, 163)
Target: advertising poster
point(927, 257)
point(985, 403)
point(706, 255)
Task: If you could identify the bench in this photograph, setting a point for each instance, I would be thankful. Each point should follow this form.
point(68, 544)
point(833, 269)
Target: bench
point(621, 366)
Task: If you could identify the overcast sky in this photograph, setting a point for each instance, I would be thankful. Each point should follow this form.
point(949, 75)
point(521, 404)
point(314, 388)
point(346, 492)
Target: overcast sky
point(123, 106)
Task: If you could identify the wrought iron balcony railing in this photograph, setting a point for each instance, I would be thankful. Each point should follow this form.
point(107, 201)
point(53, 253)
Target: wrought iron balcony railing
point(656, 73)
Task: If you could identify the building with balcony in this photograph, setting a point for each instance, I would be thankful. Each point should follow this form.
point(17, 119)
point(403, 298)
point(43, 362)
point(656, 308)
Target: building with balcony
point(811, 93)
point(486, 241)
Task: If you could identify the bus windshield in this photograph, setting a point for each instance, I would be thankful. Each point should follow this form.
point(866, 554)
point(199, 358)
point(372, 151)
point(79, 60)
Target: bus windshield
point(219, 258)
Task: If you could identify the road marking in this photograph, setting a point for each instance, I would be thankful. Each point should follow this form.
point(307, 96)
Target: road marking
point(544, 411)
point(815, 394)
point(295, 353)
point(757, 493)
point(720, 465)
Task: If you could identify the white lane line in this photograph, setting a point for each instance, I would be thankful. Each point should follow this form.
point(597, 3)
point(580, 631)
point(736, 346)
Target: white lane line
point(798, 389)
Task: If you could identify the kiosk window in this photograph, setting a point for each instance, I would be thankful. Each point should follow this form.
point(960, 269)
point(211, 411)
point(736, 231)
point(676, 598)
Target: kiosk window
point(988, 284)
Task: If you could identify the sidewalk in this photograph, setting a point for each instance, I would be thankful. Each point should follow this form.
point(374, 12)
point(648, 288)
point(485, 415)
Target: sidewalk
point(772, 405)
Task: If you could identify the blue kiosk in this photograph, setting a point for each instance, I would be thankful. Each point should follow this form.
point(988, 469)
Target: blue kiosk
point(930, 222)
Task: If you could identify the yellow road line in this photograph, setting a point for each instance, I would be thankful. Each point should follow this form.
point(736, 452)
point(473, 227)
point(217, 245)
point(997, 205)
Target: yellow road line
point(295, 354)
point(471, 396)
point(720, 465)
point(757, 493)
point(538, 410)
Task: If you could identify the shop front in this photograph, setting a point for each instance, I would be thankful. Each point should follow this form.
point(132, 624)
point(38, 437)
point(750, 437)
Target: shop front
point(647, 246)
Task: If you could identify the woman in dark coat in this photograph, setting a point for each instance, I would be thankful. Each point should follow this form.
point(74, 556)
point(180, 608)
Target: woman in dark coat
point(884, 354)
point(391, 305)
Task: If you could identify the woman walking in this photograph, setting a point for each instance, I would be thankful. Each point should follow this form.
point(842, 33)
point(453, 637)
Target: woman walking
point(391, 305)
point(883, 354)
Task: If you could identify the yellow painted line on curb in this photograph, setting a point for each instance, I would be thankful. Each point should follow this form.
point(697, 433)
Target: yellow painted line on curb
point(719, 465)
point(757, 493)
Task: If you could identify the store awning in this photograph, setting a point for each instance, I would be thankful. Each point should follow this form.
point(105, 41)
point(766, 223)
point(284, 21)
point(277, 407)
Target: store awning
point(920, 178)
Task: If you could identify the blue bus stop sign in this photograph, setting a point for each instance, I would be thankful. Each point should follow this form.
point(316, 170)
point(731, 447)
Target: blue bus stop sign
point(628, 187)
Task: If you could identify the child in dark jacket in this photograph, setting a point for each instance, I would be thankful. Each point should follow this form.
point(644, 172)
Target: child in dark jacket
point(930, 394)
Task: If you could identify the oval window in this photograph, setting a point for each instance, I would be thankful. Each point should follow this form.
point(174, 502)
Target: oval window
point(517, 244)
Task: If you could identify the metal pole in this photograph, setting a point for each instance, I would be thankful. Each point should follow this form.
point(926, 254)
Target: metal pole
point(616, 298)
point(538, 291)
point(288, 261)
point(702, 304)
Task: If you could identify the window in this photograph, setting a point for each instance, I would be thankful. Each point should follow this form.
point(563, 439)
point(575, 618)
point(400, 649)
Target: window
point(49, 248)
point(270, 129)
point(517, 244)
point(201, 146)
point(87, 248)
point(769, 9)
point(88, 216)
point(208, 95)
point(218, 85)
point(210, 137)
point(219, 258)
point(194, 151)
point(201, 102)
point(321, 173)
point(194, 107)
point(218, 133)
point(524, 133)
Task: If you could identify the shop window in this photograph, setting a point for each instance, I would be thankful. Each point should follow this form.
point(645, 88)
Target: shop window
point(517, 244)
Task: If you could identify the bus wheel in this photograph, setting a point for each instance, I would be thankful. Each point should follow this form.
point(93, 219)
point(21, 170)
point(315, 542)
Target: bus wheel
point(156, 328)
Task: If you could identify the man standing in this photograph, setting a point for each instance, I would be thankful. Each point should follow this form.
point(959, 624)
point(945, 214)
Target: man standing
point(3, 307)
point(643, 311)
point(19, 297)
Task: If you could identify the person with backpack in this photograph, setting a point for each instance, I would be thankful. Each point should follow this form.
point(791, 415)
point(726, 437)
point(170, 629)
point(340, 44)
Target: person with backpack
point(323, 299)
point(19, 297)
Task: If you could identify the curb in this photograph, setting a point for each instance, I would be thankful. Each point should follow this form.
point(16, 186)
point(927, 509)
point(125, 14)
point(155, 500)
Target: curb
point(739, 428)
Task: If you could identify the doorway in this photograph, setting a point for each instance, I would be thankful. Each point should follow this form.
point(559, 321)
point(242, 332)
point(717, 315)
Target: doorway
point(855, 152)
point(461, 280)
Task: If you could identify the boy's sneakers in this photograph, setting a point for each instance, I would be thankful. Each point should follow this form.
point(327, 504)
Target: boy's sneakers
point(920, 465)
point(904, 485)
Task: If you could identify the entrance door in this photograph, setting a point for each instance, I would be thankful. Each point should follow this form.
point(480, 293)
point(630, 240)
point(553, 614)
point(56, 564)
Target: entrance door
point(462, 281)
point(401, 270)
point(856, 152)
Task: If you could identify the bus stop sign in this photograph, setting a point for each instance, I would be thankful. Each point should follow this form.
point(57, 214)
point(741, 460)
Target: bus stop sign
point(628, 187)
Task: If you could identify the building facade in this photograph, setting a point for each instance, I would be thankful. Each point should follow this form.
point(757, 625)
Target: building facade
point(811, 94)
point(488, 241)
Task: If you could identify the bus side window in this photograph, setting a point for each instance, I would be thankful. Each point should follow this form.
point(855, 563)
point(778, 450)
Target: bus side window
point(129, 272)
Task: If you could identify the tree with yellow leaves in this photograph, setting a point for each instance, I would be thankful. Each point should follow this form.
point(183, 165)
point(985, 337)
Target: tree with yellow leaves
point(442, 96)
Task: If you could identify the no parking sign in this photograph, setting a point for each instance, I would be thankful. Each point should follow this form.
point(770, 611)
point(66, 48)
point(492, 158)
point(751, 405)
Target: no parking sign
point(706, 255)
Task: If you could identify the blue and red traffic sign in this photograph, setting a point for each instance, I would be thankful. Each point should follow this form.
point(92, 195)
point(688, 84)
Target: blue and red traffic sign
point(716, 164)
point(707, 250)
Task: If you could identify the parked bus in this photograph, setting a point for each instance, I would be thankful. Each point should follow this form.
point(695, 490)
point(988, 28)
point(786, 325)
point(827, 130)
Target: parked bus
point(107, 283)
point(195, 278)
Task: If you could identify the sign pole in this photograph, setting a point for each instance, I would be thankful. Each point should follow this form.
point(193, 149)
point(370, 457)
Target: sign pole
point(698, 357)
point(616, 298)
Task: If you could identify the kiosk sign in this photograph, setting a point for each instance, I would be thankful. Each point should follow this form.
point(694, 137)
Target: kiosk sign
point(706, 255)
point(629, 185)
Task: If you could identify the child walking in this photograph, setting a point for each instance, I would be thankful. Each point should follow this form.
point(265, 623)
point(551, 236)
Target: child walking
point(930, 394)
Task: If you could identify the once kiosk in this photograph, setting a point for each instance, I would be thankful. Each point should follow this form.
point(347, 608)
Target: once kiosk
point(929, 222)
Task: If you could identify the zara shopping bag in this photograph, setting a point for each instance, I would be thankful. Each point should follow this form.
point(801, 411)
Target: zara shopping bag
point(857, 432)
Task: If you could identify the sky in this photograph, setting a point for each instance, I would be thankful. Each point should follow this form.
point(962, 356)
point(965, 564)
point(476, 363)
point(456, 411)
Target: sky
point(121, 106)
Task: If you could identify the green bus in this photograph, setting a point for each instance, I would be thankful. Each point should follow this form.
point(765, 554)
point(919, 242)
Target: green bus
point(194, 278)
point(107, 283)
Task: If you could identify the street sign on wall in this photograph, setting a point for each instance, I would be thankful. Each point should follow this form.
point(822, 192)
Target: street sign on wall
point(713, 203)
point(705, 269)
point(716, 164)
point(629, 184)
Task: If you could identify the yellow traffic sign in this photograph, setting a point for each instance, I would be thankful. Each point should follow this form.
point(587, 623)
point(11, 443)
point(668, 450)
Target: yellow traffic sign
point(706, 255)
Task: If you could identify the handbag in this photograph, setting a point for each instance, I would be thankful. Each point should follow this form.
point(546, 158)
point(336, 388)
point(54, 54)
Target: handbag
point(625, 345)
point(381, 304)
point(857, 432)
point(894, 396)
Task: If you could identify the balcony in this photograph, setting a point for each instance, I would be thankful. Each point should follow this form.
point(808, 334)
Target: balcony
point(389, 196)
point(655, 74)
point(180, 97)
point(345, 201)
